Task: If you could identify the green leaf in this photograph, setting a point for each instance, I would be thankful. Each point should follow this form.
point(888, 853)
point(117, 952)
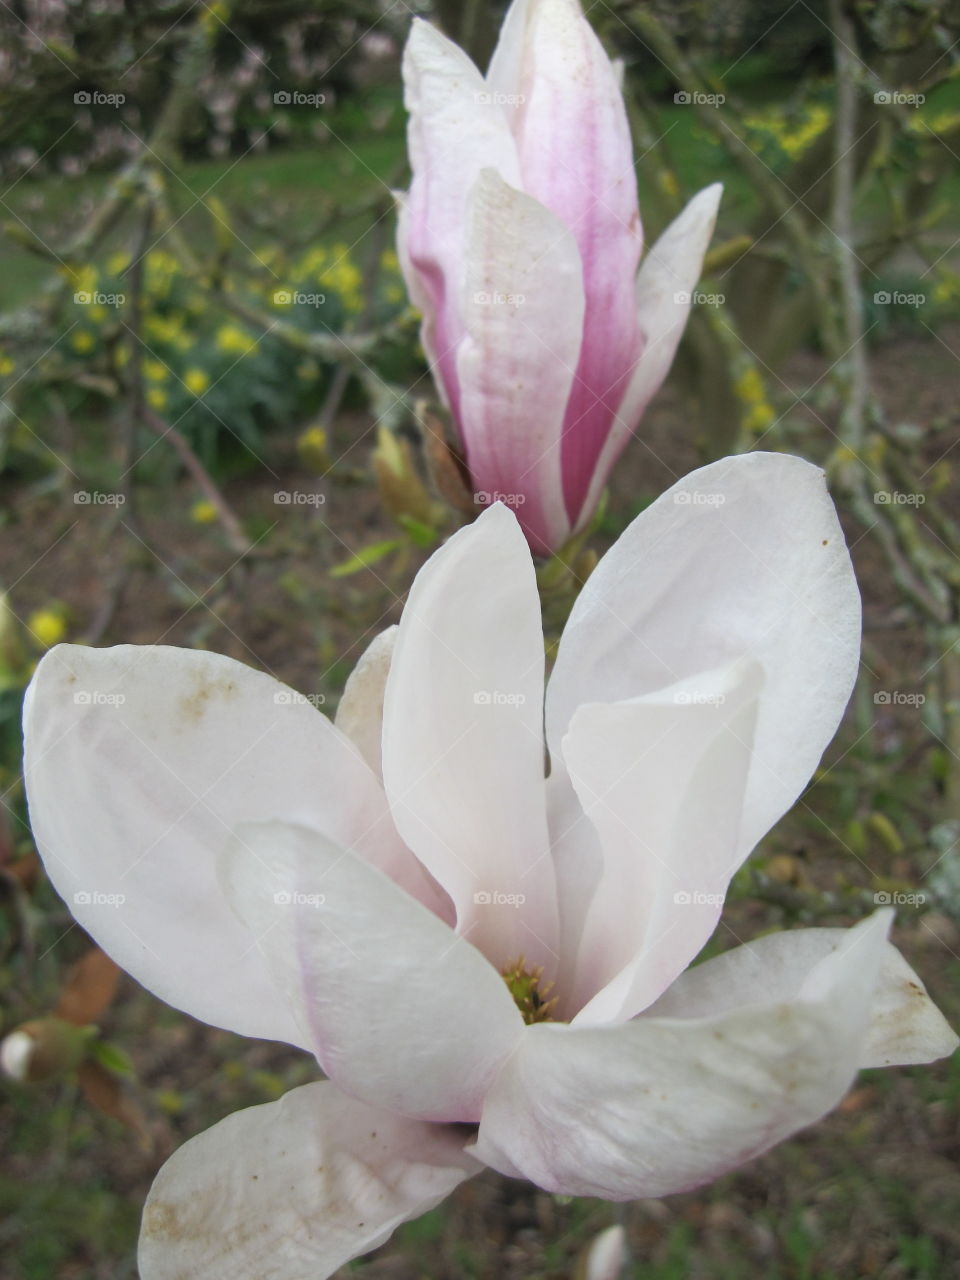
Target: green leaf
point(111, 1058)
point(421, 535)
point(365, 557)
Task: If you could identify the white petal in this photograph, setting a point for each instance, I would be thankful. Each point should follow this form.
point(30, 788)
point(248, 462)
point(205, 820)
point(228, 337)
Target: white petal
point(400, 1011)
point(462, 742)
point(578, 863)
point(503, 74)
point(523, 306)
point(743, 558)
point(360, 713)
point(663, 779)
point(667, 278)
point(294, 1189)
point(661, 1105)
point(138, 763)
point(905, 1025)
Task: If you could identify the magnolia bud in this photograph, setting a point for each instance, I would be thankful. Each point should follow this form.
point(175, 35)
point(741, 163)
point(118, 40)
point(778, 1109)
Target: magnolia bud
point(43, 1049)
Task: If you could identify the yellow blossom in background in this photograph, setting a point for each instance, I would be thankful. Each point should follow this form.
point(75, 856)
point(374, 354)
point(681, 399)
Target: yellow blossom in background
point(314, 261)
point(82, 341)
point(47, 627)
point(155, 371)
point(389, 260)
point(759, 418)
point(942, 122)
point(760, 413)
point(272, 258)
point(168, 330)
point(947, 288)
point(117, 263)
point(6, 366)
point(156, 398)
point(233, 340)
point(344, 277)
point(196, 381)
point(97, 313)
point(203, 511)
point(161, 267)
point(749, 385)
point(312, 449)
point(82, 279)
point(667, 180)
point(792, 136)
point(214, 17)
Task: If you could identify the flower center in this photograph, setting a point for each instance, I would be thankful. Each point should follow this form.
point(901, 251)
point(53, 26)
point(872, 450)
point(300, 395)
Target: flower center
point(530, 993)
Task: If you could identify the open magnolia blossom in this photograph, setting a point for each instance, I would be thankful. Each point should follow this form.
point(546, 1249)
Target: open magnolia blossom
point(489, 962)
point(520, 242)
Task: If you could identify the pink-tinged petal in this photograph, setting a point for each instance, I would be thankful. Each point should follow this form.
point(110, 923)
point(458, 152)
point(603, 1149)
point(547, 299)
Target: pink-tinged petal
point(294, 1188)
point(463, 739)
point(743, 558)
point(664, 288)
point(360, 713)
point(661, 1105)
point(523, 315)
point(576, 157)
point(400, 1011)
point(905, 1028)
point(422, 297)
point(453, 133)
point(662, 778)
point(138, 763)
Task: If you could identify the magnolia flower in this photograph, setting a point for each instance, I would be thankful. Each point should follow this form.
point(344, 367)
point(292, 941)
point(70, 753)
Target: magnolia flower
point(520, 240)
point(490, 965)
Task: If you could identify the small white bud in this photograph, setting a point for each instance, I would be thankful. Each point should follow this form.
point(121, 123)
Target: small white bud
point(16, 1050)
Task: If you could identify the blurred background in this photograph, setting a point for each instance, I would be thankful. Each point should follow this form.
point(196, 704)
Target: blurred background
point(212, 419)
